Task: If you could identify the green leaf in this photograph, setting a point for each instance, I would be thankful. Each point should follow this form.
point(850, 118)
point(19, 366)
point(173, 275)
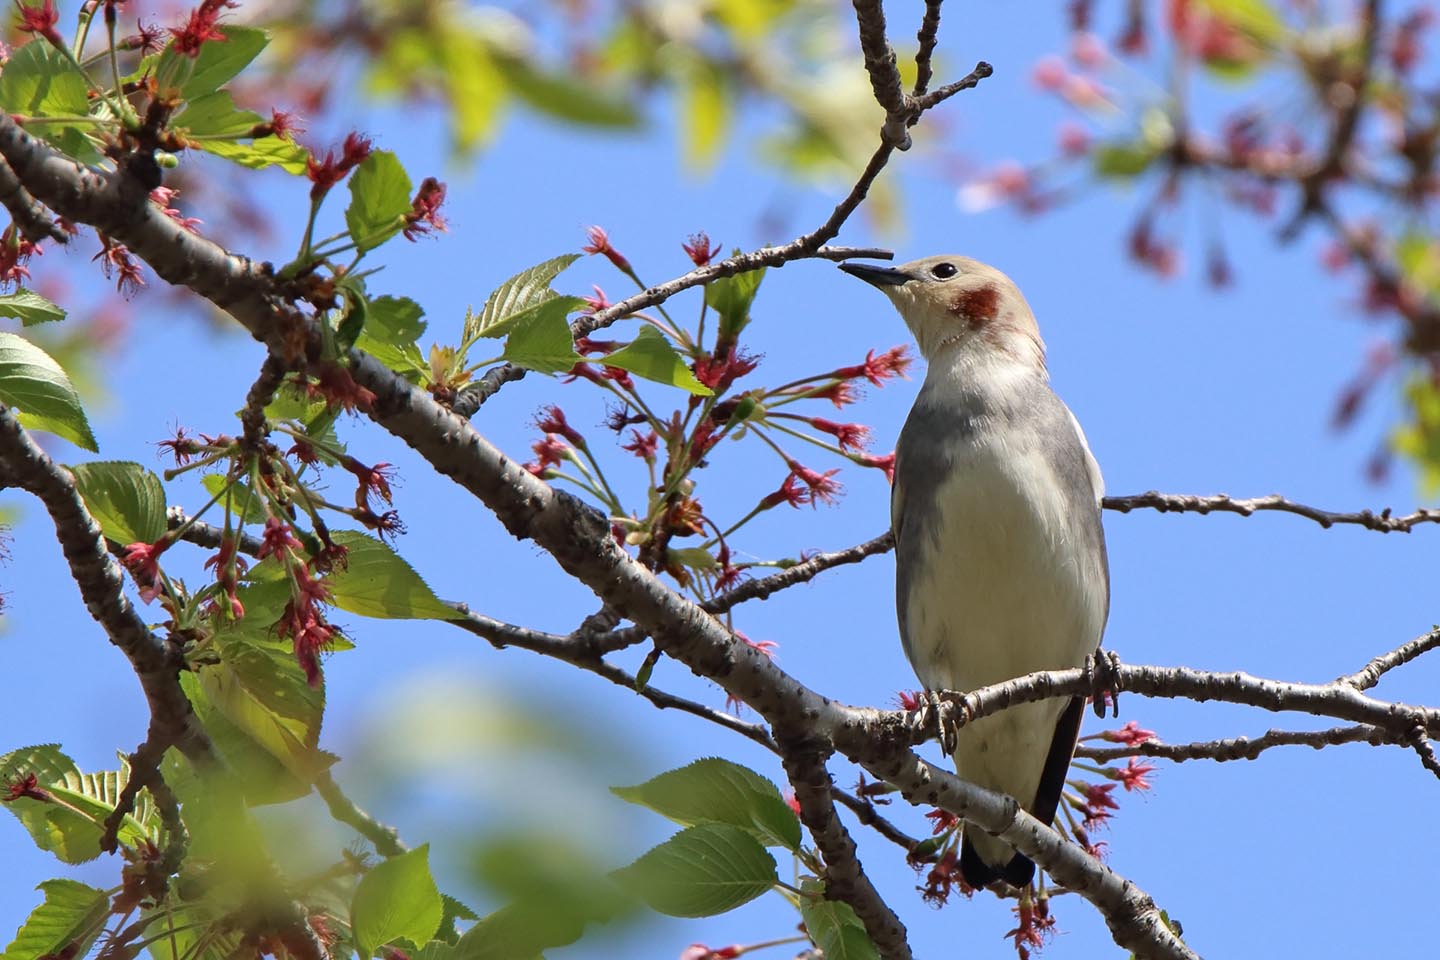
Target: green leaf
point(126, 499)
point(560, 96)
point(541, 339)
point(215, 115)
point(1254, 17)
point(518, 931)
point(731, 297)
point(651, 356)
point(47, 761)
point(259, 687)
point(217, 62)
point(454, 910)
point(714, 790)
point(1123, 159)
point(1419, 439)
point(833, 926)
point(704, 115)
point(392, 329)
point(696, 558)
point(549, 868)
point(33, 383)
point(40, 81)
point(69, 826)
point(30, 308)
point(377, 582)
point(396, 900)
point(69, 920)
point(701, 872)
point(474, 84)
point(379, 199)
point(265, 152)
point(516, 298)
point(259, 774)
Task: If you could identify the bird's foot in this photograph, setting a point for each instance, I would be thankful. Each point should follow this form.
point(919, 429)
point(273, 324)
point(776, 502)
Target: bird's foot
point(1103, 669)
point(938, 712)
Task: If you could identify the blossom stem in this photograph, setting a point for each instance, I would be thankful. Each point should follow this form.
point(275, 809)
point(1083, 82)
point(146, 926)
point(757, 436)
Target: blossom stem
point(69, 119)
point(82, 31)
point(553, 474)
point(174, 472)
point(115, 66)
point(805, 436)
point(782, 399)
point(755, 511)
point(667, 328)
point(700, 324)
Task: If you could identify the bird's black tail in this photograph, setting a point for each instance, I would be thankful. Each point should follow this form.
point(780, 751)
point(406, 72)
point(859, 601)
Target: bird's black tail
point(1021, 870)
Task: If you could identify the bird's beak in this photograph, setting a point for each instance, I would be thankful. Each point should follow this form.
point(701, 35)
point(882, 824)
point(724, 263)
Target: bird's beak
point(876, 276)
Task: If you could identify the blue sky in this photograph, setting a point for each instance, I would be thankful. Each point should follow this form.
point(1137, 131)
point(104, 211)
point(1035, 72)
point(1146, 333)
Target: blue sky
point(1179, 389)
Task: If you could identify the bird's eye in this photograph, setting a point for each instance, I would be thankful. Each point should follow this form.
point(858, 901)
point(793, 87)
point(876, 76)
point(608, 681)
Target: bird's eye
point(943, 271)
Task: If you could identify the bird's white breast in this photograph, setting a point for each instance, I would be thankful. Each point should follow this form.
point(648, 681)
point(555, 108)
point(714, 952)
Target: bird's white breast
point(1004, 575)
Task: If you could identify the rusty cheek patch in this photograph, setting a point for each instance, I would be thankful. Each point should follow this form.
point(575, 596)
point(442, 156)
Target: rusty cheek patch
point(977, 306)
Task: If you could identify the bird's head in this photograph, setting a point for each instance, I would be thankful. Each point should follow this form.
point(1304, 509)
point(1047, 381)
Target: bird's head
point(958, 308)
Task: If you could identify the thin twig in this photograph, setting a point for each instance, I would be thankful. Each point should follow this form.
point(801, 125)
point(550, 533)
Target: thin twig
point(262, 391)
point(940, 94)
point(1420, 743)
point(884, 74)
point(1370, 674)
point(1383, 522)
point(760, 589)
point(385, 838)
point(1241, 748)
point(563, 648)
point(929, 33)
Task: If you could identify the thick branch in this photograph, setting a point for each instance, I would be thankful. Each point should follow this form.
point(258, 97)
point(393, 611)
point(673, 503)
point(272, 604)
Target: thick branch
point(1133, 918)
point(845, 878)
point(1337, 699)
point(102, 587)
point(29, 216)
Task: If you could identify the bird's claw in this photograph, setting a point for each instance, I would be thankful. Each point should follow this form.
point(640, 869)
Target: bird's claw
point(937, 712)
point(1103, 668)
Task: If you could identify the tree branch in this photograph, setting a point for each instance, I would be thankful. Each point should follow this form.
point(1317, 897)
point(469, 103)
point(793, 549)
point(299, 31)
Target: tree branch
point(102, 587)
point(760, 589)
point(929, 33)
point(845, 878)
point(884, 74)
point(27, 213)
point(385, 838)
point(1337, 699)
point(1370, 674)
point(1384, 521)
point(1241, 748)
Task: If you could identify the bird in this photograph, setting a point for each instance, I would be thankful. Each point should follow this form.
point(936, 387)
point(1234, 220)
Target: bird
point(1000, 562)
